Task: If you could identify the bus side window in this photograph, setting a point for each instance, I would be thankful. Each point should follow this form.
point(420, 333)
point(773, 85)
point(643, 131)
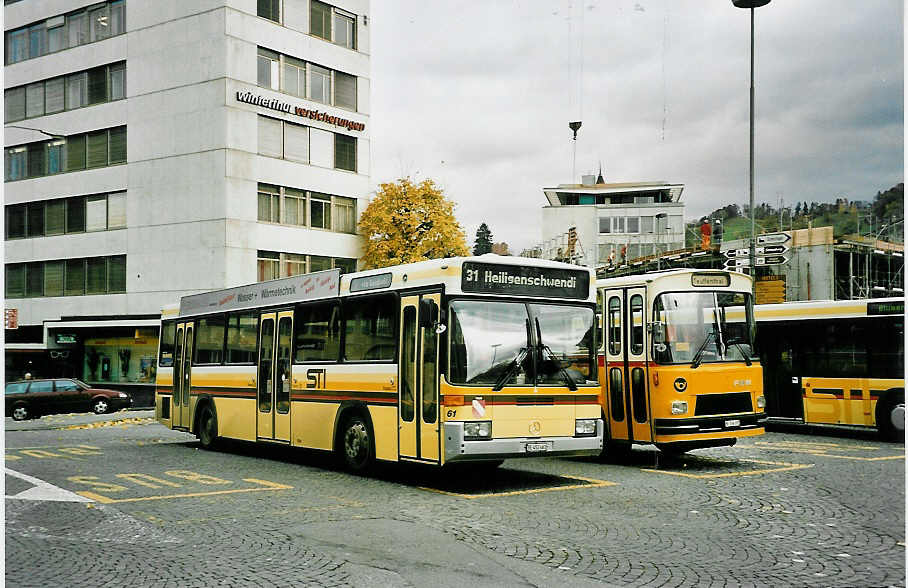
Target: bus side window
point(317, 331)
point(168, 332)
point(242, 332)
point(614, 325)
point(369, 333)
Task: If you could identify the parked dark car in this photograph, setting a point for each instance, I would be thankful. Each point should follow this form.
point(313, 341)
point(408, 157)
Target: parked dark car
point(27, 399)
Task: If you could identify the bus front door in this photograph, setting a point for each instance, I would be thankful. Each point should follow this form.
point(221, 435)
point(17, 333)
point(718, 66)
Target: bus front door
point(182, 375)
point(614, 384)
point(636, 372)
point(274, 364)
point(418, 419)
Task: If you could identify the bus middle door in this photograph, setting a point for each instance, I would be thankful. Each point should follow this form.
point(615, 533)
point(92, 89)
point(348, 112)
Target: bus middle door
point(274, 377)
point(182, 375)
point(637, 381)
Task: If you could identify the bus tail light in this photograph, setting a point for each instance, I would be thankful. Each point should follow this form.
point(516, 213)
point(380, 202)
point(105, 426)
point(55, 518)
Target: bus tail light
point(679, 406)
point(761, 401)
point(585, 427)
point(477, 430)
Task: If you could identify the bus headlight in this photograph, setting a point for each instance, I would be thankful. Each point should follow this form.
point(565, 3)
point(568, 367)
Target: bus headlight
point(761, 401)
point(585, 427)
point(476, 430)
point(679, 406)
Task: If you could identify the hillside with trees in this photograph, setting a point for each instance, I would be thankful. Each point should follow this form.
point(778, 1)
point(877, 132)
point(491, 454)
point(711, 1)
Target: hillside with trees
point(883, 216)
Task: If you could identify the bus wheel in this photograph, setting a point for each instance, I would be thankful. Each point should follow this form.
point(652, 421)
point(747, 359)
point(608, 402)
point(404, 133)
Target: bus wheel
point(890, 415)
point(673, 449)
point(208, 428)
point(358, 447)
point(615, 451)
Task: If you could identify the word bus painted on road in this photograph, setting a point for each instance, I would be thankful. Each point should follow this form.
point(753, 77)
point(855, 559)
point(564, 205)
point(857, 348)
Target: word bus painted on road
point(835, 362)
point(415, 362)
point(677, 360)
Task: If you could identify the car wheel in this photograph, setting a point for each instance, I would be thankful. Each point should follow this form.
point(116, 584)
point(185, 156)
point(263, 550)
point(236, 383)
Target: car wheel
point(357, 444)
point(100, 406)
point(208, 428)
point(20, 412)
point(890, 415)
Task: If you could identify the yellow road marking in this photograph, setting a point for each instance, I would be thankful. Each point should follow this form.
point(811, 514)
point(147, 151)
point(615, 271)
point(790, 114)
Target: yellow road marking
point(265, 486)
point(785, 467)
point(822, 449)
point(592, 484)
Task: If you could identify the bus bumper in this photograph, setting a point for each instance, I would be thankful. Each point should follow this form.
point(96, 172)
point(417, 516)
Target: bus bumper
point(457, 449)
point(698, 426)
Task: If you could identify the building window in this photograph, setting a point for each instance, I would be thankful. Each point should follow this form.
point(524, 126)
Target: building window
point(344, 29)
point(64, 31)
point(269, 204)
point(633, 224)
point(319, 84)
point(270, 9)
point(296, 142)
point(273, 264)
point(320, 20)
point(605, 224)
point(70, 277)
point(646, 224)
point(76, 152)
point(283, 139)
point(344, 90)
point(268, 69)
point(15, 104)
point(269, 265)
point(344, 152)
point(294, 79)
point(76, 90)
point(64, 216)
point(333, 213)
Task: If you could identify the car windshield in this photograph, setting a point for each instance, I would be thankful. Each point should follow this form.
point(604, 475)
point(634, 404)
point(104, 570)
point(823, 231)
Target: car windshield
point(511, 343)
point(703, 327)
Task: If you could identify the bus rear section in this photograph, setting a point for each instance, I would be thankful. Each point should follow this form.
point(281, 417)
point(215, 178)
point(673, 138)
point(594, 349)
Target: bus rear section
point(835, 363)
point(677, 364)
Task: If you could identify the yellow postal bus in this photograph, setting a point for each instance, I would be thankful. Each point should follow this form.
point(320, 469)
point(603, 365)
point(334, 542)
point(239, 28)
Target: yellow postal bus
point(677, 361)
point(460, 359)
point(835, 362)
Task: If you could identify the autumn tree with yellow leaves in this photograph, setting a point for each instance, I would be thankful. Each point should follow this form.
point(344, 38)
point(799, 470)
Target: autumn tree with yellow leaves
point(408, 222)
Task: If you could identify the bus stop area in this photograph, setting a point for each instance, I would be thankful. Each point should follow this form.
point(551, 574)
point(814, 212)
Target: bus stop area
point(120, 500)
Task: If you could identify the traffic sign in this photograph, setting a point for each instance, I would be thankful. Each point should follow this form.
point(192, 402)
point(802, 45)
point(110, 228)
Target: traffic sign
point(762, 260)
point(761, 250)
point(773, 238)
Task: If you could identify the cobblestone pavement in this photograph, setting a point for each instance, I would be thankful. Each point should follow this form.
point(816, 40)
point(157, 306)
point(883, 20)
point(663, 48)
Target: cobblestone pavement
point(126, 502)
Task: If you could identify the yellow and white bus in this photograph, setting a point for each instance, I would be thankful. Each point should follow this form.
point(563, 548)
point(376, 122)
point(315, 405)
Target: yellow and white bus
point(677, 362)
point(835, 362)
point(460, 359)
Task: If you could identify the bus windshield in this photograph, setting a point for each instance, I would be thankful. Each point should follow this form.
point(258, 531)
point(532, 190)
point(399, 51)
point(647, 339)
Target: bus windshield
point(703, 327)
point(512, 343)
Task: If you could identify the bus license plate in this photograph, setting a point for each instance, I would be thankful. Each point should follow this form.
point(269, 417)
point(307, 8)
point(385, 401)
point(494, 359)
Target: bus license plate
point(732, 423)
point(537, 446)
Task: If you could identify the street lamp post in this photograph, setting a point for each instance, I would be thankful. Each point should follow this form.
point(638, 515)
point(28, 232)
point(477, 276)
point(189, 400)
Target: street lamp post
point(751, 4)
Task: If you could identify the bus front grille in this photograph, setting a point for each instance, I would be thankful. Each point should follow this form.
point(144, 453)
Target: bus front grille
point(732, 402)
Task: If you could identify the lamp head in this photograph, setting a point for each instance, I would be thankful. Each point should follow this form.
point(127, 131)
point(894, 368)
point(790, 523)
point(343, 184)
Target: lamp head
point(749, 3)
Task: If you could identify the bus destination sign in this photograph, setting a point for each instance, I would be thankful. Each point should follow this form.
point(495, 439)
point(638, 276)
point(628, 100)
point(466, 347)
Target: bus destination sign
point(888, 307)
point(282, 291)
point(525, 281)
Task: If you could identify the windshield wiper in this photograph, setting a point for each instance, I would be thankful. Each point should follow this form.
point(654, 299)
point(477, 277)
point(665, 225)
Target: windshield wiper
point(512, 367)
point(737, 343)
point(697, 356)
point(571, 384)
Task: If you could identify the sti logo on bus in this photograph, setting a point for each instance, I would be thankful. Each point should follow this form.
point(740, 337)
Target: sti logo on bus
point(525, 281)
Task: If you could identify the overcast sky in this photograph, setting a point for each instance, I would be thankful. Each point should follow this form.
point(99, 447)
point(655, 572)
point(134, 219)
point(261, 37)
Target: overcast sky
point(477, 95)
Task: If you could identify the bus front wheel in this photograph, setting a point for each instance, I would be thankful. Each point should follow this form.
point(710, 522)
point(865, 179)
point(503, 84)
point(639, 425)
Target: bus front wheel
point(357, 446)
point(890, 415)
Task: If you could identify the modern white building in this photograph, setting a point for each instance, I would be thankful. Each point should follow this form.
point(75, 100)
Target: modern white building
point(160, 148)
point(598, 224)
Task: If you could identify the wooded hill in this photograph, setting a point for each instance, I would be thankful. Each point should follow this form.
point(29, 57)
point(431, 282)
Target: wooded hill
point(878, 218)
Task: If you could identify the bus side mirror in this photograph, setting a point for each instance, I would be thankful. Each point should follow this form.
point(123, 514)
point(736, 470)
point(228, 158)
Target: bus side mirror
point(430, 316)
point(657, 329)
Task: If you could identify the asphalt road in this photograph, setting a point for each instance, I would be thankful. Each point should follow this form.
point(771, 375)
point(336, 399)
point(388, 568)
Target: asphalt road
point(118, 500)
